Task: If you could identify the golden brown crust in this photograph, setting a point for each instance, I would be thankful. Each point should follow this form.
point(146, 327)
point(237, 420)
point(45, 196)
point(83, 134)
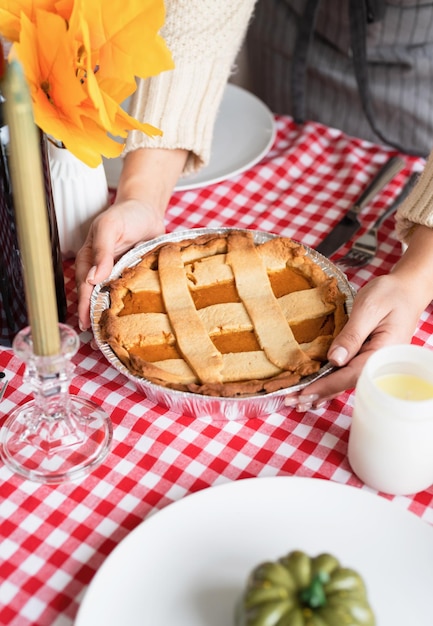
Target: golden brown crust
point(192, 338)
point(227, 317)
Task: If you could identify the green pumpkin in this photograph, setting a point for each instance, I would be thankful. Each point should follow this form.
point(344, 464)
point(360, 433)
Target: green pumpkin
point(298, 590)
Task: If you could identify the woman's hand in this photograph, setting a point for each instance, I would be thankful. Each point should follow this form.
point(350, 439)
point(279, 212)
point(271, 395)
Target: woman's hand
point(111, 234)
point(148, 178)
point(385, 311)
point(380, 317)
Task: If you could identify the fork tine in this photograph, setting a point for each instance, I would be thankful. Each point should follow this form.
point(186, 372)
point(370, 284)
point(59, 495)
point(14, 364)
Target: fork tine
point(354, 258)
point(347, 264)
point(364, 249)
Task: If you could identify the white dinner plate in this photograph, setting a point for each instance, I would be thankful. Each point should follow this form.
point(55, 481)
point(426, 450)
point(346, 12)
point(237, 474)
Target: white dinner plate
point(187, 564)
point(244, 132)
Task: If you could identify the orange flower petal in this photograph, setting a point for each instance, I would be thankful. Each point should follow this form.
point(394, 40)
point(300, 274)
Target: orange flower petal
point(81, 59)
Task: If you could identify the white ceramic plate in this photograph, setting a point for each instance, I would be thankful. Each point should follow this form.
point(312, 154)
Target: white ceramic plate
point(244, 132)
point(187, 564)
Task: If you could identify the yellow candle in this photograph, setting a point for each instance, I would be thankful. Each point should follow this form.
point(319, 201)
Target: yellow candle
point(31, 213)
point(405, 387)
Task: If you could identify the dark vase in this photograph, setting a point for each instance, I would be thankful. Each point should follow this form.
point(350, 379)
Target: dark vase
point(13, 312)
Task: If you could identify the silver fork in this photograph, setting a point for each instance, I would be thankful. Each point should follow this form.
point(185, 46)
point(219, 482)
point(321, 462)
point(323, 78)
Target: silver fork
point(365, 248)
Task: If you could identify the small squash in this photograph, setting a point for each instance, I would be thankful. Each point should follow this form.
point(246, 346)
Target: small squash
point(299, 590)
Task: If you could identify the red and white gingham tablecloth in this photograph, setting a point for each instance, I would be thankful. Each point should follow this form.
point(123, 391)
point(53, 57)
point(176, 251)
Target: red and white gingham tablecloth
point(54, 538)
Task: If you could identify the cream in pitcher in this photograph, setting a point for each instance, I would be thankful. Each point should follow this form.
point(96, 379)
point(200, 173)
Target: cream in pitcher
point(405, 386)
point(391, 436)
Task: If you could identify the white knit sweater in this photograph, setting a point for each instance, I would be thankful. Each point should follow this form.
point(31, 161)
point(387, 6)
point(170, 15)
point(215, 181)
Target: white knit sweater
point(204, 37)
point(418, 206)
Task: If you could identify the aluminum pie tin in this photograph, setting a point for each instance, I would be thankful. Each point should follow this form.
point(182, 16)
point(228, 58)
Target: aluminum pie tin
point(210, 408)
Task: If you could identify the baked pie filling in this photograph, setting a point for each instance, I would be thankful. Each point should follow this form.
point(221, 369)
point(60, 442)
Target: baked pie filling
point(221, 315)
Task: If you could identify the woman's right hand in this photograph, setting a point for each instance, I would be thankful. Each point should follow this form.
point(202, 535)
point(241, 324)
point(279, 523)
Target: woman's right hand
point(385, 312)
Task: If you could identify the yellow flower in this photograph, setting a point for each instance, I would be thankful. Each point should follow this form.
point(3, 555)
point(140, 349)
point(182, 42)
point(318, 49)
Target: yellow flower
point(81, 59)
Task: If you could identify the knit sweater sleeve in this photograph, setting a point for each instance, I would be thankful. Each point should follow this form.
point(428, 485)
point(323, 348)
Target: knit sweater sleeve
point(418, 206)
point(204, 37)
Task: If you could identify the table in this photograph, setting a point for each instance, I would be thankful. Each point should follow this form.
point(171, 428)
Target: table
point(54, 538)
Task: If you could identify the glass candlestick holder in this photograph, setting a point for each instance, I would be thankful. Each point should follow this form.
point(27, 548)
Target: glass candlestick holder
point(56, 437)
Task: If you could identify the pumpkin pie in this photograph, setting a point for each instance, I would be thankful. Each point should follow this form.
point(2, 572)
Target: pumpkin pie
point(221, 315)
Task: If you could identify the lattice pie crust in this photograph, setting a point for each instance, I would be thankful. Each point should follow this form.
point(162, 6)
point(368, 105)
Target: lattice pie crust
point(220, 315)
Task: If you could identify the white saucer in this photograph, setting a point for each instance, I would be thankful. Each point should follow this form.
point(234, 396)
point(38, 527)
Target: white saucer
point(244, 132)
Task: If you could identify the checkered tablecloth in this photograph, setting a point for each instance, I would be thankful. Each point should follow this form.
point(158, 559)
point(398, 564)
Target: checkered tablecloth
point(54, 538)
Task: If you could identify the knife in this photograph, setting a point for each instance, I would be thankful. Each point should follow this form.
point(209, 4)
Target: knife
point(350, 223)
